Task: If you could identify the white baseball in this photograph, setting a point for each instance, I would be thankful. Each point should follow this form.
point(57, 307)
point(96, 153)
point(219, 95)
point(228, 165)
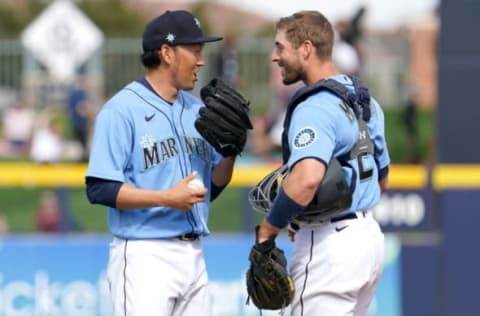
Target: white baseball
point(196, 184)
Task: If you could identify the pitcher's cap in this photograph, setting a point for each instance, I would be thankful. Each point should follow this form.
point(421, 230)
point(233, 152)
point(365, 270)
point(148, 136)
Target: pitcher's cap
point(174, 28)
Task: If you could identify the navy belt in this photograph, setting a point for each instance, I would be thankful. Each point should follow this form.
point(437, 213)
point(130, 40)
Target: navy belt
point(345, 216)
point(188, 237)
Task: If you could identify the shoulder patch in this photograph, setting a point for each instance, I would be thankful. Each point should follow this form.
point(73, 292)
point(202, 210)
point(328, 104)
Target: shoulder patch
point(304, 138)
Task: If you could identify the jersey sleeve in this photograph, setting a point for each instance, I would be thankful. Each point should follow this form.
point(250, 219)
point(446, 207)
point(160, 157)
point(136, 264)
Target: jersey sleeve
point(111, 146)
point(311, 133)
point(216, 157)
point(378, 136)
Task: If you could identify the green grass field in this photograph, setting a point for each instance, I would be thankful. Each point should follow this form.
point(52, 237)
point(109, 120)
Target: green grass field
point(19, 207)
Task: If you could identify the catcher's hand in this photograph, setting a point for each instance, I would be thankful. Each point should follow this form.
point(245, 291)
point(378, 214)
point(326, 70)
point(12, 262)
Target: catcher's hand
point(224, 120)
point(269, 285)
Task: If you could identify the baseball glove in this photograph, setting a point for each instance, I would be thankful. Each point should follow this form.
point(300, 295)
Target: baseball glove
point(269, 285)
point(224, 120)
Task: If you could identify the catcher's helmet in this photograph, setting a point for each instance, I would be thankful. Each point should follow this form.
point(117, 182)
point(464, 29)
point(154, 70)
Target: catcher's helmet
point(333, 195)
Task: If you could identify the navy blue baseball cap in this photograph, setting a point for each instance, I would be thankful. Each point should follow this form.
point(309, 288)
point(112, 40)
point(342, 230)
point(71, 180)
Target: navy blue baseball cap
point(174, 28)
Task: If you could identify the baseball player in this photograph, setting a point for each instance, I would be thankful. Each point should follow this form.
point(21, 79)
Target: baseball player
point(145, 155)
point(337, 261)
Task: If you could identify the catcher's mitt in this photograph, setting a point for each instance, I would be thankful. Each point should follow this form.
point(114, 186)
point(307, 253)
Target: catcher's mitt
point(269, 285)
point(224, 120)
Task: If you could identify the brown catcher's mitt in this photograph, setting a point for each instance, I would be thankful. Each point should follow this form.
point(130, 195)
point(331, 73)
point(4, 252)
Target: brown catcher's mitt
point(269, 285)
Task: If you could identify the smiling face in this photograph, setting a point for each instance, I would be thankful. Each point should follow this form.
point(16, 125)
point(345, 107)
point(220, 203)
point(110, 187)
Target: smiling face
point(187, 61)
point(287, 58)
point(303, 47)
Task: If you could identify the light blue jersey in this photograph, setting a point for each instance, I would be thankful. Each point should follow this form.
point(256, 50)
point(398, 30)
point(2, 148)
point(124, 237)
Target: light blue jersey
point(142, 140)
point(321, 128)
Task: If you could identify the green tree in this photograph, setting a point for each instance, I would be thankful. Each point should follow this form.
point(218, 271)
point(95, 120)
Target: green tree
point(14, 18)
point(114, 17)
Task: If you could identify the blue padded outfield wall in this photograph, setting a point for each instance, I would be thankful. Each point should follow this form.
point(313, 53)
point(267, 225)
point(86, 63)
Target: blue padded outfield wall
point(65, 275)
point(458, 143)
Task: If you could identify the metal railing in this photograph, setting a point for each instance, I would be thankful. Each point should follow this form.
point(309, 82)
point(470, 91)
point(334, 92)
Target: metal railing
point(117, 63)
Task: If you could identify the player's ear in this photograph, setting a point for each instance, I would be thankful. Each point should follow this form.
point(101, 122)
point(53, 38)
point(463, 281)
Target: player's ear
point(166, 54)
point(307, 49)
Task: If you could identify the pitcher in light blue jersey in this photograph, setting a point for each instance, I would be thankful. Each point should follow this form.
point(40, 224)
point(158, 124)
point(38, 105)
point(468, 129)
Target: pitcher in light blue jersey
point(145, 153)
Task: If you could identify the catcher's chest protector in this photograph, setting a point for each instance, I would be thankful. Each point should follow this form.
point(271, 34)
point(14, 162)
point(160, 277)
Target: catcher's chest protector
point(358, 101)
point(334, 194)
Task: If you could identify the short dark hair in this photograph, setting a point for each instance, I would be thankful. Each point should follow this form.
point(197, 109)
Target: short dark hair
point(309, 25)
point(150, 59)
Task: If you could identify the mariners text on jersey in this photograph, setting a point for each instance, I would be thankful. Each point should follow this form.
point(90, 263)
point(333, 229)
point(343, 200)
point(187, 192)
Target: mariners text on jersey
point(158, 151)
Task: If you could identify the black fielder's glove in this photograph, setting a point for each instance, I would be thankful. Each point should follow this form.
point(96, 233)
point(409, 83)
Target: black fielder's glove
point(269, 285)
point(224, 120)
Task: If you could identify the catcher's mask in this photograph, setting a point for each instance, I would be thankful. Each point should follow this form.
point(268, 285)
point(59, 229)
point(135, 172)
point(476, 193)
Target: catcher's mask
point(261, 196)
point(333, 195)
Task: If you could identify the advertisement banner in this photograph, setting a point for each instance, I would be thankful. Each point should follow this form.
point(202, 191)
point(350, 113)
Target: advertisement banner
point(65, 275)
point(407, 211)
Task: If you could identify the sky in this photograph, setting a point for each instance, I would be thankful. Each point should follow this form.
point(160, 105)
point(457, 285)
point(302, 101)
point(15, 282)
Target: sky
point(381, 14)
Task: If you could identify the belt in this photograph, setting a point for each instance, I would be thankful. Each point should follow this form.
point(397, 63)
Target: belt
point(296, 225)
point(346, 216)
point(188, 237)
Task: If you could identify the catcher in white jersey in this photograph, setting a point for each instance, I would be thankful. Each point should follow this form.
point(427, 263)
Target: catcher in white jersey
point(146, 151)
point(332, 126)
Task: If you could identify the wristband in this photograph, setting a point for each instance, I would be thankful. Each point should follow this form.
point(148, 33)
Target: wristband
point(283, 209)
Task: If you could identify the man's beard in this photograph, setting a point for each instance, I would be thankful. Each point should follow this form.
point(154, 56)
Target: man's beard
point(292, 76)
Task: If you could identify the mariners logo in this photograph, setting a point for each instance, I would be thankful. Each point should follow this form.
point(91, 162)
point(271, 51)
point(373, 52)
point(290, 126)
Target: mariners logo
point(170, 37)
point(197, 22)
point(304, 138)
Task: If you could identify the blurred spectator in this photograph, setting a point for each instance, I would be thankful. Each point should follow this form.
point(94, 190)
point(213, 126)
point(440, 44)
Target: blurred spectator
point(48, 213)
point(345, 57)
point(227, 61)
point(350, 31)
point(4, 227)
point(17, 128)
point(347, 54)
point(78, 109)
point(266, 137)
point(47, 141)
point(68, 221)
point(410, 121)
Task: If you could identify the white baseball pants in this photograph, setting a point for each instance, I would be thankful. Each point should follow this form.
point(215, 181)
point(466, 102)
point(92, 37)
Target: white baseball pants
point(158, 278)
point(336, 267)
